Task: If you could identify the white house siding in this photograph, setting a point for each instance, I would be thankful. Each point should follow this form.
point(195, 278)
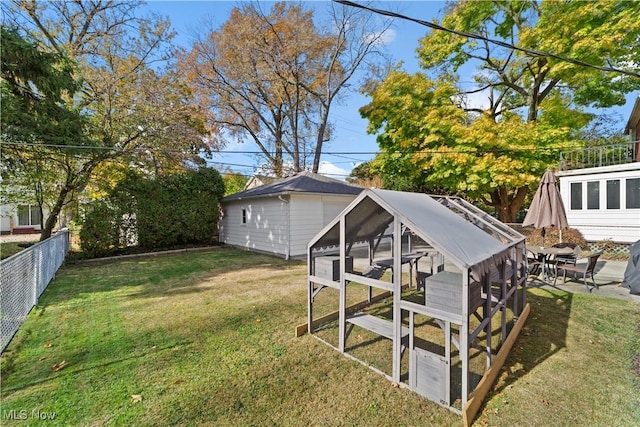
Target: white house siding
point(266, 228)
point(309, 214)
point(619, 225)
point(10, 220)
point(6, 212)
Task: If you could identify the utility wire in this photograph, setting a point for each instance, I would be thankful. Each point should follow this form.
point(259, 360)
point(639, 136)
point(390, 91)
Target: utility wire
point(328, 153)
point(480, 37)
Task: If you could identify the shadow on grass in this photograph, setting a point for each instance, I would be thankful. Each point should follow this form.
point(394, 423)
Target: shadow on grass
point(543, 335)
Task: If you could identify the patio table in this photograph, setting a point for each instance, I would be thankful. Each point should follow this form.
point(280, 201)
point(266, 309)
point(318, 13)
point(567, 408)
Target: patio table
point(546, 253)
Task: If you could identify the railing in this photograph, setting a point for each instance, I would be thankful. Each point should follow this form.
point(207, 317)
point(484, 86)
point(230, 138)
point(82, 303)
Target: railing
point(24, 277)
point(604, 155)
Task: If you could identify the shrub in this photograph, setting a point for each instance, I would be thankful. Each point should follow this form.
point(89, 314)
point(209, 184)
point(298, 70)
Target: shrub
point(155, 213)
point(99, 235)
point(552, 236)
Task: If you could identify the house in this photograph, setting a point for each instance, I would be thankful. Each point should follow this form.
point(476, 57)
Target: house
point(456, 329)
point(18, 217)
point(633, 130)
point(258, 180)
point(600, 188)
point(282, 216)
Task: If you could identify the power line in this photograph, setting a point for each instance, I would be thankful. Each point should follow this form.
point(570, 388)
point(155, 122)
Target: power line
point(327, 153)
point(483, 38)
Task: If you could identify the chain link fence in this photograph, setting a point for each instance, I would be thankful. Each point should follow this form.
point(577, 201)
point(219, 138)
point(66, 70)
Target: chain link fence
point(24, 277)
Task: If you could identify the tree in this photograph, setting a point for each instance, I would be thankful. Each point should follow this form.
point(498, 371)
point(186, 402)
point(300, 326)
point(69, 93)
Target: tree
point(34, 87)
point(598, 33)
point(532, 102)
point(272, 79)
point(364, 176)
point(137, 114)
point(356, 40)
point(233, 182)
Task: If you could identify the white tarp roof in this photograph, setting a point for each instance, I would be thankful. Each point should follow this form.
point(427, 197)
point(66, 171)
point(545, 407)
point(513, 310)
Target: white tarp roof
point(464, 243)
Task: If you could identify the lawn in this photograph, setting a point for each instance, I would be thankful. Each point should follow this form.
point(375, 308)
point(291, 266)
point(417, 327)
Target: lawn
point(8, 249)
point(207, 338)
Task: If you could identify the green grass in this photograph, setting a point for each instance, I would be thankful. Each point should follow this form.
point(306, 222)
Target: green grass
point(11, 248)
point(207, 338)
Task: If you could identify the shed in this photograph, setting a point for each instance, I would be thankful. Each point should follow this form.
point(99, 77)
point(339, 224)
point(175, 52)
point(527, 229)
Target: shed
point(470, 274)
point(282, 216)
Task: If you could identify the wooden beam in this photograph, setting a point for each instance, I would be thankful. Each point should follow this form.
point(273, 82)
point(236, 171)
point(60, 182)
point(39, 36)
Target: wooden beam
point(301, 329)
point(375, 283)
point(472, 406)
point(324, 282)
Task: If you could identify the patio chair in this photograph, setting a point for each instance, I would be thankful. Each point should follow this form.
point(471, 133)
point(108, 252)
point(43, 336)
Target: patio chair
point(534, 263)
point(564, 259)
point(584, 269)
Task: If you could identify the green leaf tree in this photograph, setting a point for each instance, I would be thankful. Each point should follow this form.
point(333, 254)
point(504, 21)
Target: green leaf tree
point(138, 114)
point(35, 115)
point(493, 152)
point(233, 182)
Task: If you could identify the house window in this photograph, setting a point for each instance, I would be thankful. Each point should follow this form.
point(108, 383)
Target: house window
point(29, 215)
point(244, 216)
point(593, 195)
point(633, 193)
point(576, 195)
point(613, 194)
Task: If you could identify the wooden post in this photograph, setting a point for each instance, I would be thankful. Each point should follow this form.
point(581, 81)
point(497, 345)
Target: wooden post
point(464, 337)
point(524, 285)
point(343, 291)
point(370, 263)
point(447, 355)
point(310, 293)
point(486, 283)
point(397, 293)
point(503, 292)
point(517, 265)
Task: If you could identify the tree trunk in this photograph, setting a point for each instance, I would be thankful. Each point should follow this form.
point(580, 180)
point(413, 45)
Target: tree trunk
point(508, 207)
point(278, 168)
point(320, 140)
point(54, 214)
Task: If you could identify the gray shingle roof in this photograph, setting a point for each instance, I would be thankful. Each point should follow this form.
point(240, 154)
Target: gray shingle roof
point(302, 182)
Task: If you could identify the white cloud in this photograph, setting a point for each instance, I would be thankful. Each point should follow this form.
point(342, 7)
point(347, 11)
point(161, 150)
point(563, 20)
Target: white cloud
point(333, 171)
point(381, 39)
point(478, 100)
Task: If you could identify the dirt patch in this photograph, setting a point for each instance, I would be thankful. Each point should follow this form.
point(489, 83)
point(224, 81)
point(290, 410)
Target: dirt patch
point(635, 365)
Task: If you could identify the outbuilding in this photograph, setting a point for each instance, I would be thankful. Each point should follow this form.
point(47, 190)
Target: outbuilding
point(446, 337)
point(282, 216)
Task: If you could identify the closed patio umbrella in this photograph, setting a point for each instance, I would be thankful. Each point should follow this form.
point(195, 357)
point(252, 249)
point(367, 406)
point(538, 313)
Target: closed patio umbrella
point(547, 209)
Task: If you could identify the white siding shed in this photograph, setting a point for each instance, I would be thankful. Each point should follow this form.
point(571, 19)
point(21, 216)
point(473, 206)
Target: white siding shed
point(281, 217)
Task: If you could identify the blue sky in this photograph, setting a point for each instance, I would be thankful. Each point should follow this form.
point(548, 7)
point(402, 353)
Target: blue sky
point(350, 129)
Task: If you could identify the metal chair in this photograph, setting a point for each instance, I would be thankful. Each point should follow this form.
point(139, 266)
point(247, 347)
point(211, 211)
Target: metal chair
point(584, 269)
point(534, 263)
point(564, 259)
